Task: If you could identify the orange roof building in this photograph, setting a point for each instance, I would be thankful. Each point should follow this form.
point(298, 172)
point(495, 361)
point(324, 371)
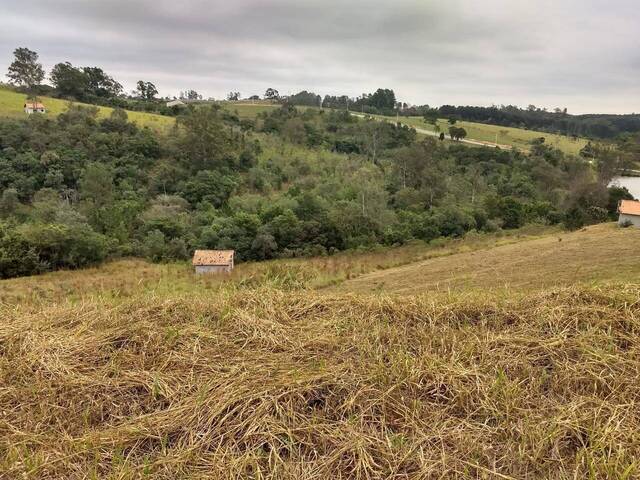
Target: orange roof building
point(213, 261)
point(34, 107)
point(629, 211)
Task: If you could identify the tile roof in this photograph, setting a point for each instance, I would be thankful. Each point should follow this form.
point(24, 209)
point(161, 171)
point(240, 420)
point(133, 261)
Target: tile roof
point(34, 105)
point(213, 257)
point(629, 207)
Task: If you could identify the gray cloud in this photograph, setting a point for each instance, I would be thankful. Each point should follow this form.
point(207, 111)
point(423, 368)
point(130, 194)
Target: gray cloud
point(582, 54)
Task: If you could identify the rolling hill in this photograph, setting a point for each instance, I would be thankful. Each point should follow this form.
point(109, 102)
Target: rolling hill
point(11, 104)
point(492, 134)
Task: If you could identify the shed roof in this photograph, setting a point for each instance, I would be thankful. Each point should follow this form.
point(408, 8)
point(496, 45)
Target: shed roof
point(629, 207)
point(213, 257)
point(34, 105)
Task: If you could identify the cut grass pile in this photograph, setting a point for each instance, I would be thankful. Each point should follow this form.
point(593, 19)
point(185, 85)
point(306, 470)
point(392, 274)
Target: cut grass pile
point(263, 383)
point(599, 253)
point(11, 105)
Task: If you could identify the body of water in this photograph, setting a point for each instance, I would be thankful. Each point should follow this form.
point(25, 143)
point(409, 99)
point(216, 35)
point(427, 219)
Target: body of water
point(632, 184)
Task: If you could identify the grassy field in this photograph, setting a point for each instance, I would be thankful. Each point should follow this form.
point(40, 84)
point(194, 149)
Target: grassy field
point(135, 370)
point(124, 278)
point(599, 254)
point(514, 137)
point(11, 105)
point(246, 109)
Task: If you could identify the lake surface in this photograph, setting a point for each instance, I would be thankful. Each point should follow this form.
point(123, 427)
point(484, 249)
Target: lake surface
point(632, 184)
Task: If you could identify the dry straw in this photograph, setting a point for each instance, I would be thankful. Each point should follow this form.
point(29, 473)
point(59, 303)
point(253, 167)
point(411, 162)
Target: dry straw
point(262, 383)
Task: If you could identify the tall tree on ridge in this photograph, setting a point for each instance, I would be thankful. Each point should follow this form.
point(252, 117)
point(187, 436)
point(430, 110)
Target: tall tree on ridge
point(25, 69)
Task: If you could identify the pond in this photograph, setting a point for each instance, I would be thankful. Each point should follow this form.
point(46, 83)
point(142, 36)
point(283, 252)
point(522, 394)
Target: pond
point(632, 184)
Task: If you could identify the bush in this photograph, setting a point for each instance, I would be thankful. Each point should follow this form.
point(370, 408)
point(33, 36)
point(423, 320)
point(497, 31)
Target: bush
point(37, 247)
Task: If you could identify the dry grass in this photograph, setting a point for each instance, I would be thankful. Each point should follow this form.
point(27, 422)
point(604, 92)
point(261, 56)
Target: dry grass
point(133, 370)
point(262, 383)
point(124, 278)
point(600, 253)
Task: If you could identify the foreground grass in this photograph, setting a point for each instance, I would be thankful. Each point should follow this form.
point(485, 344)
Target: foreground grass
point(266, 383)
point(12, 103)
point(135, 370)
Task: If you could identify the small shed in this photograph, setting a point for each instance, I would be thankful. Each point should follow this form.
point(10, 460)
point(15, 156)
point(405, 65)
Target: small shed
point(34, 107)
point(629, 211)
point(213, 261)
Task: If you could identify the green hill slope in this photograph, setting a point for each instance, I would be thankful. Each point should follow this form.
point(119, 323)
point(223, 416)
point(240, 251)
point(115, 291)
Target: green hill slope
point(11, 105)
point(490, 134)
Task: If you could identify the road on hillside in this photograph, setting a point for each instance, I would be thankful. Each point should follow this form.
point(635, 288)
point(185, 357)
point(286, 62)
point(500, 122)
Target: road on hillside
point(435, 134)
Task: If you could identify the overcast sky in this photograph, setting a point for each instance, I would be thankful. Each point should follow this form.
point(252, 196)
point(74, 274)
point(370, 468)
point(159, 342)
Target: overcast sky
point(580, 54)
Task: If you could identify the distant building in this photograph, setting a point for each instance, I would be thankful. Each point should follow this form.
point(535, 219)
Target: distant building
point(175, 103)
point(629, 211)
point(213, 261)
point(34, 107)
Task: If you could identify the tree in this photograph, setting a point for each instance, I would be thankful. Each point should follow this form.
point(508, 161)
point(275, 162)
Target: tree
point(99, 84)
point(452, 120)
point(96, 184)
point(69, 80)
point(431, 117)
point(457, 133)
point(383, 99)
point(205, 141)
point(146, 90)
point(9, 202)
point(25, 70)
point(233, 96)
point(190, 95)
point(271, 94)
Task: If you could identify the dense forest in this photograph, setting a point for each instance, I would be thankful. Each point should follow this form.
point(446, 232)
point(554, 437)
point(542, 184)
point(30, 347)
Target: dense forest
point(75, 189)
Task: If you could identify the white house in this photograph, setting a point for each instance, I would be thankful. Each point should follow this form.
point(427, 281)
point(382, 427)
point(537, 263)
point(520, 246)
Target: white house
point(175, 103)
point(213, 261)
point(629, 211)
point(34, 107)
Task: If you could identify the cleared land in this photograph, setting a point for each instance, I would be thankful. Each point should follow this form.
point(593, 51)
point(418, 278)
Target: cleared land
point(595, 254)
point(12, 103)
point(249, 109)
point(514, 137)
point(134, 370)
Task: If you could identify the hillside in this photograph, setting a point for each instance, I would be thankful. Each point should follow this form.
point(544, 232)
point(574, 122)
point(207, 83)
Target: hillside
point(138, 370)
point(248, 109)
point(513, 137)
point(598, 253)
point(11, 105)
